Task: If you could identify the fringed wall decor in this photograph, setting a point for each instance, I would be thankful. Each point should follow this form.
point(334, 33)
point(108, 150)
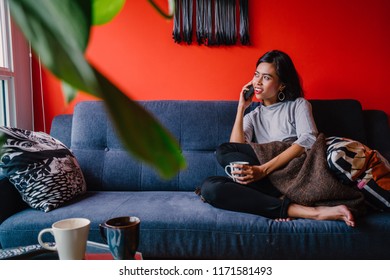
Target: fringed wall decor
point(244, 22)
point(216, 22)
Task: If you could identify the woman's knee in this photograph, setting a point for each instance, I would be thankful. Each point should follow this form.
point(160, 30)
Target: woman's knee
point(223, 150)
point(212, 187)
point(228, 152)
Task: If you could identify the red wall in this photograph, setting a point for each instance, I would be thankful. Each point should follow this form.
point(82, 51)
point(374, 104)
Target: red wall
point(341, 49)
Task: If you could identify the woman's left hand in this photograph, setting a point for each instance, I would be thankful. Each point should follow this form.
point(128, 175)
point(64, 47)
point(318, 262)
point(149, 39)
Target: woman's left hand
point(249, 174)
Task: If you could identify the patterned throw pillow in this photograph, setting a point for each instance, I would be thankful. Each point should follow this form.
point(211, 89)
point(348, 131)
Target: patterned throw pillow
point(354, 163)
point(42, 169)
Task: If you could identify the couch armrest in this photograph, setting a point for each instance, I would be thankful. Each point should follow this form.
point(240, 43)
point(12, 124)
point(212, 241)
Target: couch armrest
point(378, 131)
point(10, 200)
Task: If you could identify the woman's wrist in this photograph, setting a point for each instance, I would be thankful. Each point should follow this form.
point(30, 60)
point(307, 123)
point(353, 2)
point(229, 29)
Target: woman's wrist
point(241, 108)
point(266, 168)
point(259, 172)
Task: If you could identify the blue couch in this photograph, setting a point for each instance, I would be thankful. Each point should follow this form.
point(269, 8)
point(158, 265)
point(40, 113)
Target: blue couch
point(175, 223)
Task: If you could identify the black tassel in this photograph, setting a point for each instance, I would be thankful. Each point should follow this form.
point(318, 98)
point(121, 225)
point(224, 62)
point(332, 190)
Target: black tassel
point(209, 23)
point(244, 22)
point(186, 8)
point(225, 22)
point(204, 22)
point(231, 24)
point(218, 25)
point(200, 21)
point(176, 34)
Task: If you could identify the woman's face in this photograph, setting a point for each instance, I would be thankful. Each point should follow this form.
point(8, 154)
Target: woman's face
point(266, 83)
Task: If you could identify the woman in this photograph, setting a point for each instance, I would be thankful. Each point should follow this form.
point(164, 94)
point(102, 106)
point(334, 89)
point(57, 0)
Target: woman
point(284, 115)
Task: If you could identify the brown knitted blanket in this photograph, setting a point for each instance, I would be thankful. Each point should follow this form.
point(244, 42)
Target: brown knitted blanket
point(307, 180)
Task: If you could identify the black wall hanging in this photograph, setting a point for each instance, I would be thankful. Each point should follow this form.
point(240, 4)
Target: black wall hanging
point(217, 22)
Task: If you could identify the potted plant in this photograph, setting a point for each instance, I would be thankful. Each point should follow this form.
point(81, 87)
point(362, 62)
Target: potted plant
point(59, 33)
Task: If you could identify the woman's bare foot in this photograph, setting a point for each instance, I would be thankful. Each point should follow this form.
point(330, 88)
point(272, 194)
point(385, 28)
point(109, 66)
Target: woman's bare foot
point(340, 212)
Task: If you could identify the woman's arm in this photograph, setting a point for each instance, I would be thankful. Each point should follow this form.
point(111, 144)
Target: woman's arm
point(305, 125)
point(237, 134)
point(280, 160)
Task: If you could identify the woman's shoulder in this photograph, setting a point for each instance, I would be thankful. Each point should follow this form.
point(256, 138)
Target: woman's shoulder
point(301, 100)
point(301, 103)
point(253, 112)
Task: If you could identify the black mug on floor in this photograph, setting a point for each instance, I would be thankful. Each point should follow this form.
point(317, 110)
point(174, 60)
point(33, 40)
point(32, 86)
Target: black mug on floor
point(122, 236)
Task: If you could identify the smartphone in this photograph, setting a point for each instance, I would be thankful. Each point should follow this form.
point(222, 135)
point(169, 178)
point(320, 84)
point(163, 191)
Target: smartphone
point(249, 92)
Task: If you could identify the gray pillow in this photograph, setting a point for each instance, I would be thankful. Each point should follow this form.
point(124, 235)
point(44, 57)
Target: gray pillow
point(43, 170)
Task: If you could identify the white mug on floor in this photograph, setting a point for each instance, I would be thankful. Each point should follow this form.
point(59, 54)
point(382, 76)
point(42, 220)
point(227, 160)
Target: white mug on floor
point(232, 167)
point(70, 237)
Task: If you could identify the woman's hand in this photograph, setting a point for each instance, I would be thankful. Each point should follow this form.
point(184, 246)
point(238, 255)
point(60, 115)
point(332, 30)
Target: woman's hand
point(249, 173)
point(242, 101)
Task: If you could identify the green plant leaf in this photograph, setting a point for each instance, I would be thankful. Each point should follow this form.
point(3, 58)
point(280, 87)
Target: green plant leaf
point(105, 10)
point(58, 31)
point(171, 8)
point(69, 92)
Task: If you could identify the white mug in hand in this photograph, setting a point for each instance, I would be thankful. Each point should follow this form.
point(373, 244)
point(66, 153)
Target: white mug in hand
point(233, 168)
point(70, 237)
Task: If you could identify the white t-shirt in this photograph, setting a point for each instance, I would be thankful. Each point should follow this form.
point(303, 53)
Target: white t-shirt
point(282, 121)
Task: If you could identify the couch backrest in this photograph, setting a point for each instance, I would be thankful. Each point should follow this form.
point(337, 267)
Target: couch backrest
point(199, 126)
point(341, 117)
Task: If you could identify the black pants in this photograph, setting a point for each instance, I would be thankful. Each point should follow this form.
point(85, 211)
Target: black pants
point(260, 198)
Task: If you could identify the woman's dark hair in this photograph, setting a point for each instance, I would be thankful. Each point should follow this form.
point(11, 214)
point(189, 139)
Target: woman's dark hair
point(286, 72)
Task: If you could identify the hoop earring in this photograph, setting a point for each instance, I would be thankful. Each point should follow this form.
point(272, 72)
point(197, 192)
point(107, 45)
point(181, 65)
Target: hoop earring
point(281, 96)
